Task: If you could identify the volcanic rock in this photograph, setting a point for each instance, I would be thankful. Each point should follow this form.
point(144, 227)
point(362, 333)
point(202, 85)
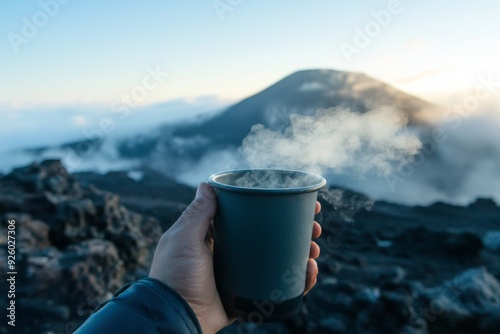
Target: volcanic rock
point(492, 241)
point(76, 244)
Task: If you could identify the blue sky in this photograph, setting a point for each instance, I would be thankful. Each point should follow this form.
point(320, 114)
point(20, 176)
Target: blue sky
point(92, 52)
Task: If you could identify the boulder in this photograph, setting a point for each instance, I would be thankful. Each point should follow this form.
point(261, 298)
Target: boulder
point(491, 241)
point(47, 176)
point(464, 304)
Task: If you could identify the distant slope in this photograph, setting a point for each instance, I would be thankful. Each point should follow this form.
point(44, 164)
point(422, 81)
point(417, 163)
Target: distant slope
point(302, 92)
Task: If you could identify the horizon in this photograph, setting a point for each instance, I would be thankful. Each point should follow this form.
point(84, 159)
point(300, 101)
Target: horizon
point(53, 57)
point(213, 99)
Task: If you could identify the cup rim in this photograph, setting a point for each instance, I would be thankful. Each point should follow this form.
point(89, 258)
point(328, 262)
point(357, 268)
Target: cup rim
point(292, 190)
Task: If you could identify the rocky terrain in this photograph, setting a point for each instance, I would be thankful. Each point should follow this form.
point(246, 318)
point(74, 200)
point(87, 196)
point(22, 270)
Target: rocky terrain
point(390, 269)
point(75, 246)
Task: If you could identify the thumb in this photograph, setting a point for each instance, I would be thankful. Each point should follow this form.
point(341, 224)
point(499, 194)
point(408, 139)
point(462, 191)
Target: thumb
point(195, 220)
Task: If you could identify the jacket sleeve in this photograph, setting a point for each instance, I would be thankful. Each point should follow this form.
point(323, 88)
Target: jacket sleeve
point(146, 307)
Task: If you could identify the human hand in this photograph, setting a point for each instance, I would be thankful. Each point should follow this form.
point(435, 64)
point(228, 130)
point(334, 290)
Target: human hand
point(183, 260)
point(312, 265)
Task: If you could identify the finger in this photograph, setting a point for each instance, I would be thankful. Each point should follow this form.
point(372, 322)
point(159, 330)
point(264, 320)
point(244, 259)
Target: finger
point(312, 273)
point(195, 220)
point(318, 207)
point(314, 251)
point(316, 230)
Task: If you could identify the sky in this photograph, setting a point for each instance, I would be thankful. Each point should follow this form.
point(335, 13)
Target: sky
point(70, 53)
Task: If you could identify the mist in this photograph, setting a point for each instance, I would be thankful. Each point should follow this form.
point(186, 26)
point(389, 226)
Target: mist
point(334, 141)
point(374, 153)
point(25, 130)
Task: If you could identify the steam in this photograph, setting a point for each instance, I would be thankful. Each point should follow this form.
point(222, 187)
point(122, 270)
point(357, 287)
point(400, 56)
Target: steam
point(334, 141)
point(266, 179)
point(345, 204)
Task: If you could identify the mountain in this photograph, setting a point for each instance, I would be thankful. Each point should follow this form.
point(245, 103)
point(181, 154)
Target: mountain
point(191, 150)
point(302, 93)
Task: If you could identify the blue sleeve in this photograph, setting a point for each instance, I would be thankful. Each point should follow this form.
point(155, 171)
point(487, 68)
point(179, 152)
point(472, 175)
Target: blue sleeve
point(146, 307)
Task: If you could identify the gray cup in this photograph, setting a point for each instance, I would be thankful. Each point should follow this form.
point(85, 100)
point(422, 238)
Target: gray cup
point(262, 233)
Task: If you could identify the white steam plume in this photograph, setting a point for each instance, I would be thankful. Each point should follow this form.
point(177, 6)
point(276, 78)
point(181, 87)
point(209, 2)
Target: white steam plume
point(334, 141)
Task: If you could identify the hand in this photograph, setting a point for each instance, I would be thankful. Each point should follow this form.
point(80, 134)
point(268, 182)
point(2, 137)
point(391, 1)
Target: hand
point(312, 265)
point(183, 260)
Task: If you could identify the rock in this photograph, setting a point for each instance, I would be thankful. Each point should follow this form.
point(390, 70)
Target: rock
point(154, 195)
point(73, 222)
point(44, 308)
point(49, 175)
point(42, 315)
point(407, 329)
point(461, 304)
point(84, 274)
point(75, 214)
point(490, 323)
point(398, 305)
point(491, 241)
point(366, 297)
point(459, 245)
point(334, 324)
point(478, 289)
point(33, 234)
point(41, 273)
point(384, 243)
point(345, 203)
point(90, 271)
point(241, 327)
point(393, 275)
point(463, 244)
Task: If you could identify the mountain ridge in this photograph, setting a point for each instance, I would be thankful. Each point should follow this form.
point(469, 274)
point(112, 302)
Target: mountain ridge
point(304, 92)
